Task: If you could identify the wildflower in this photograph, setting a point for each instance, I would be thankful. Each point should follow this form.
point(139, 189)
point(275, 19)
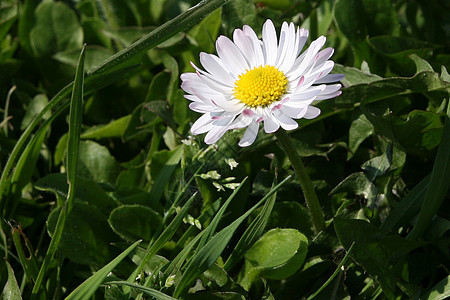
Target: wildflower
point(254, 81)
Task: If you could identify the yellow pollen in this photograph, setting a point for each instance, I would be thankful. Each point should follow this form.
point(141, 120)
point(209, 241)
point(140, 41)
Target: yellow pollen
point(260, 86)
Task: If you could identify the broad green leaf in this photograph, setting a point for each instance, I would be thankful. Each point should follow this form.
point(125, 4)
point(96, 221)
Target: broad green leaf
point(238, 13)
point(115, 128)
point(205, 33)
point(96, 163)
point(291, 214)
point(162, 110)
point(374, 250)
point(360, 129)
point(277, 4)
point(8, 14)
point(397, 50)
point(11, 290)
point(440, 291)
point(134, 222)
point(86, 237)
point(56, 29)
point(354, 76)
point(278, 254)
point(215, 295)
point(421, 64)
point(90, 285)
point(421, 131)
point(34, 107)
point(94, 56)
point(87, 191)
point(358, 184)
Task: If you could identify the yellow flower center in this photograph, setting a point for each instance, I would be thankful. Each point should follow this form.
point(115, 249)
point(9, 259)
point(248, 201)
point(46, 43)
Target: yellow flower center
point(260, 86)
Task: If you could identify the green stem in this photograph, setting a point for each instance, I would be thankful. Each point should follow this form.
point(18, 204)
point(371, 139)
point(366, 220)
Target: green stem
point(315, 211)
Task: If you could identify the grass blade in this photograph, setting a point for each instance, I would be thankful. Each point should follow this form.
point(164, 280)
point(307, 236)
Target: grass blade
point(164, 237)
point(251, 234)
point(74, 138)
point(75, 117)
point(215, 221)
point(336, 272)
point(206, 256)
point(439, 183)
point(407, 208)
point(88, 287)
point(151, 292)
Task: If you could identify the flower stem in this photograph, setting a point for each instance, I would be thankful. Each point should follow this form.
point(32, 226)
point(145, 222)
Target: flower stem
point(315, 211)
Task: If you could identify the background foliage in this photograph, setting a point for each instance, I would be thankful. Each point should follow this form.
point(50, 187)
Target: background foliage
point(116, 200)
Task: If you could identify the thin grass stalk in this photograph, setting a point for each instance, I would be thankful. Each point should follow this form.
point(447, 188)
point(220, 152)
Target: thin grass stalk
point(312, 201)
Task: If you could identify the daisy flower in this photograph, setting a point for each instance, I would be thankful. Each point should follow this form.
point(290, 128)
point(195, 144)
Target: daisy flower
point(253, 81)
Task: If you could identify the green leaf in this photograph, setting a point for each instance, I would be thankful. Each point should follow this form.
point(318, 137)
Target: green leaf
point(278, 254)
point(56, 29)
point(205, 33)
point(360, 129)
point(251, 234)
point(87, 237)
point(207, 255)
point(87, 191)
point(34, 108)
point(90, 285)
point(440, 291)
point(115, 128)
point(357, 184)
point(421, 131)
point(11, 290)
point(354, 76)
point(95, 55)
point(439, 183)
point(134, 222)
point(8, 14)
point(165, 173)
point(421, 64)
point(405, 211)
point(96, 163)
point(374, 250)
point(163, 238)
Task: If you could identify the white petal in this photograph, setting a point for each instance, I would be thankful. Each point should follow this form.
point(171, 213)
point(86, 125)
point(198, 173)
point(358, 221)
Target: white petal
point(202, 125)
point(301, 41)
point(330, 78)
point(241, 121)
point(269, 37)
point(270, 125)
point(328, 96)
point(286, 122)
point(244, 44)
point(308, 93)
point(287, 50)
point(215, 134)
point(294, 112)
point(215, 67)
point(257, 46)
point(231, 55)
point(312, 112)
point(250, 135)
point(306, 61)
